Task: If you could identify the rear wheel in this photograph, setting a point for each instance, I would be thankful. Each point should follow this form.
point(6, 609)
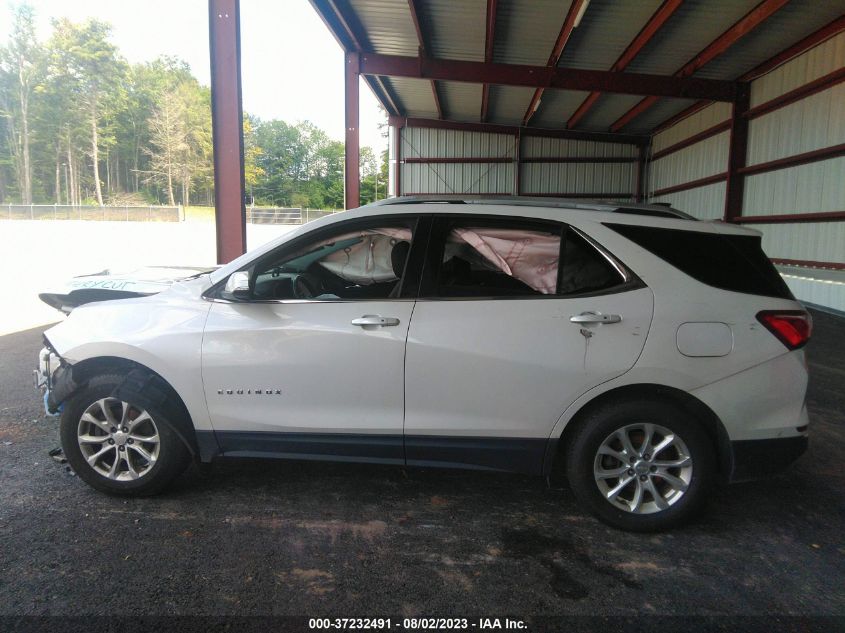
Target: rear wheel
point(641, 466)
point(120, 445)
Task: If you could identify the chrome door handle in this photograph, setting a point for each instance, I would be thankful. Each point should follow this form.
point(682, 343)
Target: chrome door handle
point(375, 320)
point(594, 317)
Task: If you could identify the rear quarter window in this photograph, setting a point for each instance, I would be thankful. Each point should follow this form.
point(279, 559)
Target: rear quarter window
point(729, 262)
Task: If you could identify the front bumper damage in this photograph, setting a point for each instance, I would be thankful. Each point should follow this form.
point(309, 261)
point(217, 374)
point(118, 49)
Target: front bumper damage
point(54, 378)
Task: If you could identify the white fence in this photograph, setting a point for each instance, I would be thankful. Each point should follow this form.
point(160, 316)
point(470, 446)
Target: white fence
point(284, 215)
point(151, 213)
point(113, 213)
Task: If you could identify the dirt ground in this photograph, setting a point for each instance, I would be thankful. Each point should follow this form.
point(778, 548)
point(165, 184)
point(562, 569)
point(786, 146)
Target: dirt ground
point(309, 539)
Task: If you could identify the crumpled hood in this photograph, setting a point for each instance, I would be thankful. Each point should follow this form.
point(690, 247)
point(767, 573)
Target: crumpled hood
point(112, 284)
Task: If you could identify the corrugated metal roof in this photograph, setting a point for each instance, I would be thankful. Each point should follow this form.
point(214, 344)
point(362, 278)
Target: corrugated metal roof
point(526, 31)
point(690, 29)
point(606, 110)
point(460, 101)
point(454, 30)
point(611, 23)
point(793, 22)
point(415, 95)
point(387, 25)
point(657, 114)
point(556, 107)
point(508, 104)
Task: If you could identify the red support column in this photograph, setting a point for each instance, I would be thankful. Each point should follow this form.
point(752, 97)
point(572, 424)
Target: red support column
point(737, 152)
point(352, 170)
point(227, 130)
point(639, 195)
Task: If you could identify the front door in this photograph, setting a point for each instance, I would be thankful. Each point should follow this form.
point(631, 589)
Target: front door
point(312, 364)
point(494, 357)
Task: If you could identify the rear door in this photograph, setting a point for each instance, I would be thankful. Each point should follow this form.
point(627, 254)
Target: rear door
point(504, 338)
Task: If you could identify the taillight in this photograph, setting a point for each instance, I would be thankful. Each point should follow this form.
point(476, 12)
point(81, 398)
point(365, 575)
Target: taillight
point(791, 327)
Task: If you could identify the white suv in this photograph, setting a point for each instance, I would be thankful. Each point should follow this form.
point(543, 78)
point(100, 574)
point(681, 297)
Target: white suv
point(643, 353)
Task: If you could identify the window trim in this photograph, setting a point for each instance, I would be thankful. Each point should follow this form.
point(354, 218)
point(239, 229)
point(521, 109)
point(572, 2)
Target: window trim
point(419, 224)
point(442, 224)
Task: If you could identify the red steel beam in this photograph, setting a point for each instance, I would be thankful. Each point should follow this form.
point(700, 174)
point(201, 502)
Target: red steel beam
point(352, 150)
point(813, 156)
point(415, 17)
point(454, 160)
point(654, 24)
point(581, 159)
point(489, 39)
point(490, 128)
point(589, 196)
point(692, 184)
point(804, 263)
point(459, 196)
point(792, 218)
point(227, 128)
point(641, 167)
point(802, 46)
point(740, 29)
point(546, 77)
point(737, 155)
point(554, 58)
point(507, 194)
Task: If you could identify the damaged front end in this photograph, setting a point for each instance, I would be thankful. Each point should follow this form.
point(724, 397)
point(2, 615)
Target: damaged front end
point(109, 285)
point(54, 378)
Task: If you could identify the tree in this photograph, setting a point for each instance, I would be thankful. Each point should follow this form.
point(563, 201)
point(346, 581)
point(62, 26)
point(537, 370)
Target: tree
point(89, 126)
point(197, 160)
point(22, 62)
point(98, 75)
point(373, 176)
point(168, 137)
point(145, 87)
point(252, 171)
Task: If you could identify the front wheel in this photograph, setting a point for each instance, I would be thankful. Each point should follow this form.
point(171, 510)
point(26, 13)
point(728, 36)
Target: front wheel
point(641, 466)
point(120, 445)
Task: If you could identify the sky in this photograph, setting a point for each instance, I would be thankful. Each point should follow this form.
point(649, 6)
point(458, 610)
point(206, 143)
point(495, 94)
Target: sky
point(291, 65)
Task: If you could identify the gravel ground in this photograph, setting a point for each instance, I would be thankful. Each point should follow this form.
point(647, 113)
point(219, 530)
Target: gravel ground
point(286, 538)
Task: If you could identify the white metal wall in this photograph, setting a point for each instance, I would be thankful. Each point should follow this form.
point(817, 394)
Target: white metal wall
point(815, 122)
point(455, 178)
point(706, 158)
point(607, 179)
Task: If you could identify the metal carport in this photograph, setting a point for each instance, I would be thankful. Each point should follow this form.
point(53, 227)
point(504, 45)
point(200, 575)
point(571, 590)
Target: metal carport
point(728, 109)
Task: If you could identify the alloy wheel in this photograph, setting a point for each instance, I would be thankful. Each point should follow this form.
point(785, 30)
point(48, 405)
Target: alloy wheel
point(643, 468)
point(118, 440)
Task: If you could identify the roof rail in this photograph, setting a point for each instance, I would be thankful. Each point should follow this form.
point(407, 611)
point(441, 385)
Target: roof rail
point(662, 210)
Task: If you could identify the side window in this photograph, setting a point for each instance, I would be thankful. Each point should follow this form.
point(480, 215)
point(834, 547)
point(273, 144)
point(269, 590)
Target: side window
point(502, 260)
point(350, 264)
point(584, 268)
point(730, 262)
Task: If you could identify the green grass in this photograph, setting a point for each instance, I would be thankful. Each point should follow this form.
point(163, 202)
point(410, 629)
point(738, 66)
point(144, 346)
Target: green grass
point(199, 214)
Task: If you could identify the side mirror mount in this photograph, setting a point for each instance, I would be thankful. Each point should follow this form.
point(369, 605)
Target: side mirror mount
point(237, 287)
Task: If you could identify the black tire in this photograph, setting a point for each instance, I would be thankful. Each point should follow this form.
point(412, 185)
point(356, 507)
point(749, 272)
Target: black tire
point(599, 423)
point(173, 455)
